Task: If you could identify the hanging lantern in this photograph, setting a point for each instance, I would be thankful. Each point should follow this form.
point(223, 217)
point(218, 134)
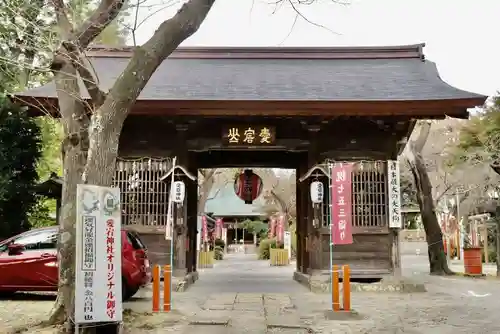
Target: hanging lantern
point(248, 186)
point(317, 192)
point(179, 192)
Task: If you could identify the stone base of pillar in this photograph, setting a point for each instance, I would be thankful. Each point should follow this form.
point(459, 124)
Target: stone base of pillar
point(179, 272)
point(181, 284)
point(318, 281)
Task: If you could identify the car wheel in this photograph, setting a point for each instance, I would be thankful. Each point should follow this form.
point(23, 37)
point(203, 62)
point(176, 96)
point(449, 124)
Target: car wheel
point(128, 291)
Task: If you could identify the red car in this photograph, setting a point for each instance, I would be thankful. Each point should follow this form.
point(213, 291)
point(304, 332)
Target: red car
point(28, 262)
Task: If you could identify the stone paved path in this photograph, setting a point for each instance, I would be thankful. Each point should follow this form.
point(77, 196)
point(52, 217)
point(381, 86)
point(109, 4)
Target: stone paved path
point(243, 295)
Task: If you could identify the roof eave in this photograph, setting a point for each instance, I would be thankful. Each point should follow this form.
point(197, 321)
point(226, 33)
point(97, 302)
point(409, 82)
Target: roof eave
point(454, 107)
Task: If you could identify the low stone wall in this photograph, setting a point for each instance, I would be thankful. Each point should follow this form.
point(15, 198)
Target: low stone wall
point(322, 284)
point(413, 248)
point(412, 235)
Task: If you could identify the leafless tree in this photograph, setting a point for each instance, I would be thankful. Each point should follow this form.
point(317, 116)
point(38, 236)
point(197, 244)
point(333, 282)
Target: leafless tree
point(440, 185)
point(279, 192)
point(211, 182)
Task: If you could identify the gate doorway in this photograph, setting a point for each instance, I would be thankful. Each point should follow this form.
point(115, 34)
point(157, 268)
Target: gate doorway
point(289, 108)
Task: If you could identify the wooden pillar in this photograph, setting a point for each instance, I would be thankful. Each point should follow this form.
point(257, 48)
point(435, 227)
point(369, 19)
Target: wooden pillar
point(303, 227)
point(302, 211)
point(313, 233)
point(396, 252)
point(181, 224)
point(298, 213)
point(192, 222)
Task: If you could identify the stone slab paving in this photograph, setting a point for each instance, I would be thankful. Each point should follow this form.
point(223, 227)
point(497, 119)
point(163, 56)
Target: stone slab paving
point(243, 295)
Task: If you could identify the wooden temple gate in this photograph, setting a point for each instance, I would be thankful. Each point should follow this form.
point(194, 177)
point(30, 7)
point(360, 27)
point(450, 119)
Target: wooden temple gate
point(290, 108)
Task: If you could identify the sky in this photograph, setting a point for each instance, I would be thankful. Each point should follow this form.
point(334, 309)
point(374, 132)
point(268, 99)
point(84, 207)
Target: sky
point(459, 34)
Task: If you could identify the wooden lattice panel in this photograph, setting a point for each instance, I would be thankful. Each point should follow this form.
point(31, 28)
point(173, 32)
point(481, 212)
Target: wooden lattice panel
point(369, 195)
point(144, 196)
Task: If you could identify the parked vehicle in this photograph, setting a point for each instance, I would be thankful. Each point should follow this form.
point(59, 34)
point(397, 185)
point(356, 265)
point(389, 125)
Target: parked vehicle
point(28, 262)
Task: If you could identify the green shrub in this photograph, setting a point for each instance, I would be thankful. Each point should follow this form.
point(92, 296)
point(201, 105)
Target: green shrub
point(218, 253)
point(264, 248)
point(492, 255)
point(220, 243)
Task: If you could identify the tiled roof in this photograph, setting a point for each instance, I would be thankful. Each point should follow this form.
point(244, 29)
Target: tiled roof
point(226, 203)
point(282, 74)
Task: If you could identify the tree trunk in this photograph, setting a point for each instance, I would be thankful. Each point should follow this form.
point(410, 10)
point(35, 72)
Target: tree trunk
point(437, 258)
point(498, 245)
point(98, 167)
point(206, 186)
point(74, 151)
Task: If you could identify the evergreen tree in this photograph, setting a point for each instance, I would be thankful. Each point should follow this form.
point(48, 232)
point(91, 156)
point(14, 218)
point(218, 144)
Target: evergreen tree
point(20, 149)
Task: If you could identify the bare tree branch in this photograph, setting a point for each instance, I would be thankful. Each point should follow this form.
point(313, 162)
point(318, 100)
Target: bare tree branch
point(105, 13)
point(62, 15)
point(148, 57)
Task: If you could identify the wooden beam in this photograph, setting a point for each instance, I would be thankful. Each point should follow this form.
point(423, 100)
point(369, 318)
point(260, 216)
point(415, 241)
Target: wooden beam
point(183, 170)
point(206, 144)
point(319, 168)
point(410, 109)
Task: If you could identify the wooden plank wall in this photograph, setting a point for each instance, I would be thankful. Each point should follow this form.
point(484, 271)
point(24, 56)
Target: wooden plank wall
point(370, 253)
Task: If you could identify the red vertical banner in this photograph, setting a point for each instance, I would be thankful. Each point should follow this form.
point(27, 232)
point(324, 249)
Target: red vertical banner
point(272, 228)
point(280, 229)
point(341, 197)
point(218, 228)
point(204, 229)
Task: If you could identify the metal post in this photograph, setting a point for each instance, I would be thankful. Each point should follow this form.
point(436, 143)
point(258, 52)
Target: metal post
point(346, 283)
point(333, 276)
point(335, 288)
point(156, 288)
point(167, 289)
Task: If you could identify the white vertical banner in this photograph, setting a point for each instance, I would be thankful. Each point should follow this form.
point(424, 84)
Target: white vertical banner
point(98, 287)
point(394, 192)
point(287, 243)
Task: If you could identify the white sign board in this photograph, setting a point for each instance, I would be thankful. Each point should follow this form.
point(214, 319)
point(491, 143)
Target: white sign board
point(287, 243)
point(394, 192)
point(98, 290)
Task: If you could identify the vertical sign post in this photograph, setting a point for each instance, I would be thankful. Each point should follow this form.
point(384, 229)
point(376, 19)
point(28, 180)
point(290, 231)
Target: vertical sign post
point(98, 290)
point(332, 274)
point(393, 181)
point(395, 219)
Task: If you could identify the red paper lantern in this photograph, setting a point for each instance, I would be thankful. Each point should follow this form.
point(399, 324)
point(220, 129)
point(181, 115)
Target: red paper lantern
point(248, 186)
